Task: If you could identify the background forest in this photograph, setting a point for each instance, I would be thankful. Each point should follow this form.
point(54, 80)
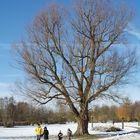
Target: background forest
point(23, 113)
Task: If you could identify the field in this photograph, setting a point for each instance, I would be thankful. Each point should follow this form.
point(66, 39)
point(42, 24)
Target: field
point(98, 132)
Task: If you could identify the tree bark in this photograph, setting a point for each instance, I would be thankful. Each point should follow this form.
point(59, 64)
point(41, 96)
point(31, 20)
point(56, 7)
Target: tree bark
point(82, 121)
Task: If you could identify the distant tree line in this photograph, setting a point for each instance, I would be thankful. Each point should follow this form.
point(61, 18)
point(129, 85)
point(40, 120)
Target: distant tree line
point(127, 111)
point(22, 113)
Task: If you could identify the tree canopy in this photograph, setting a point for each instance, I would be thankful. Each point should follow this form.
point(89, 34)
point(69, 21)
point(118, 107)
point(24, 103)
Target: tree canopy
point(77, 57)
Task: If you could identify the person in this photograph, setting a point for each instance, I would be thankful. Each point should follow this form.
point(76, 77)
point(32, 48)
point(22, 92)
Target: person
point(69, 134)
point(45, 133)
point(60, 135)
point(38, 131)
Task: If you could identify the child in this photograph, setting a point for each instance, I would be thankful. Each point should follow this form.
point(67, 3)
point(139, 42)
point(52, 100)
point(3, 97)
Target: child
point(69, 134)
point(45, 134)
point(60, 135)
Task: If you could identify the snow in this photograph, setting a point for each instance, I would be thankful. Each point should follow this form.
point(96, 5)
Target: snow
point(27, 132)
point(124, 137)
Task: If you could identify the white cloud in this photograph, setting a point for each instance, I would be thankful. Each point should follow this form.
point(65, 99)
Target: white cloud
point(5, 46)
point(11, 75)
point(133, 31)
point(4, 85)
point(5, 89)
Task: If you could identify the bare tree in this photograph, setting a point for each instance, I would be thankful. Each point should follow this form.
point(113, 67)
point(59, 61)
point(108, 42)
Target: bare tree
point(77, 59)
point(8, 111)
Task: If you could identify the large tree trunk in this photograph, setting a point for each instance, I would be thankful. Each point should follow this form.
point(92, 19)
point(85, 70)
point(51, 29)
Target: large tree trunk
point(82, 121)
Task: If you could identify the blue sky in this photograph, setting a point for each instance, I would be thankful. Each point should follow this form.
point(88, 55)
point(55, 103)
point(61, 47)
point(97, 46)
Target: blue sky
point(16, 15)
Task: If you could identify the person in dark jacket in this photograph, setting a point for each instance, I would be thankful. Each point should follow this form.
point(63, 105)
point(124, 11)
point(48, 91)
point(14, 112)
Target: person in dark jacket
point(45, 133)
point(60, 135)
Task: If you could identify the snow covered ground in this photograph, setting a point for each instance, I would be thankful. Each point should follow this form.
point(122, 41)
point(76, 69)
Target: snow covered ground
point(27, 132)
point(124, 137)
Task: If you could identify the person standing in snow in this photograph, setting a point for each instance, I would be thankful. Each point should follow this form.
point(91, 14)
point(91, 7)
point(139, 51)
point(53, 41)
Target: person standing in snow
point(60, 135)
point(69, 134)
point(38, 132)
point(45, 133)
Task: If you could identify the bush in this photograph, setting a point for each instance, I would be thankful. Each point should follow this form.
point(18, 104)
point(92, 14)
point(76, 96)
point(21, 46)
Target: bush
point(113, 129)
point(9, 124)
